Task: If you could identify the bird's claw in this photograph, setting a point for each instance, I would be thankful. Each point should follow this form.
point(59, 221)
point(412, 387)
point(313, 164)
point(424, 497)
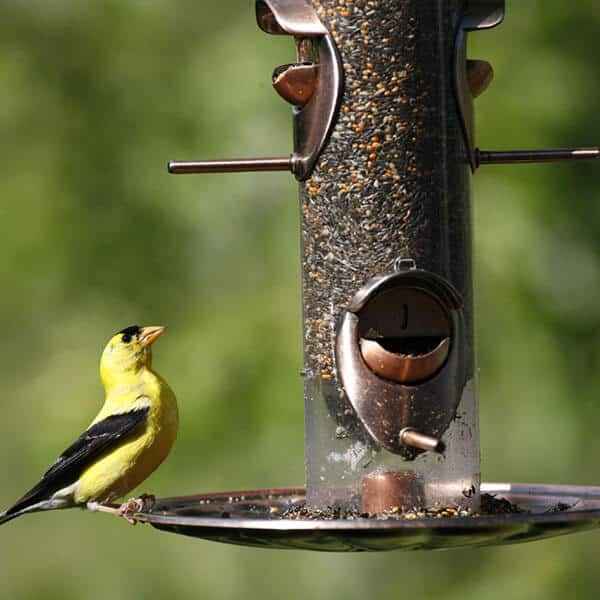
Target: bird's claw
point(136, 505)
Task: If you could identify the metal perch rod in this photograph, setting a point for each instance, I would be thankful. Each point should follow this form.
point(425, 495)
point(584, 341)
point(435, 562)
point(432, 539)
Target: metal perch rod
point(180, 167)
point(498, 157)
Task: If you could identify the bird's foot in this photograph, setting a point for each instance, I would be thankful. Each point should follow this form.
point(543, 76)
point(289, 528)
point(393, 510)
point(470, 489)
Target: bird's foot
point(135, 505)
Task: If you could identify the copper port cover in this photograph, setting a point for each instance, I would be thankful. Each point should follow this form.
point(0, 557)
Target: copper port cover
point(404, 368)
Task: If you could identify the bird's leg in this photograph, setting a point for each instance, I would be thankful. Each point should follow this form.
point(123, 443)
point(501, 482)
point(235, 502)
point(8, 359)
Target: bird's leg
point(107, 508)
point(120, 511)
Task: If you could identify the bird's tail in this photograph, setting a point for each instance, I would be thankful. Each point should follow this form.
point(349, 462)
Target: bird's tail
point(6, 517)
point(21, 508)
point(17, 511)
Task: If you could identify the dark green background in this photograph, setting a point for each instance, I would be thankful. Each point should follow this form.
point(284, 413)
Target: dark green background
point(95, 97)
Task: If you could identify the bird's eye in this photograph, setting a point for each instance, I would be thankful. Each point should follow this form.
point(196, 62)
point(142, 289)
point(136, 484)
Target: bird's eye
point(126, 338)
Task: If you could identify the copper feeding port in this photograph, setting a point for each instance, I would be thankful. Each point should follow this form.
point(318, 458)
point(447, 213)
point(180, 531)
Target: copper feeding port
point(296, 83)
point(402, 367)
point(480, 74)
point(405, 335)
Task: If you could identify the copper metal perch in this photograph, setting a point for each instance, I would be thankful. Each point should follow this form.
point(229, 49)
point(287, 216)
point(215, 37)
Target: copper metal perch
point(428, 443)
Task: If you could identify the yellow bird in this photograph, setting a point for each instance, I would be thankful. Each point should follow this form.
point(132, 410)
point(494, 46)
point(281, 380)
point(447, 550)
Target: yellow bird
point(131, 436)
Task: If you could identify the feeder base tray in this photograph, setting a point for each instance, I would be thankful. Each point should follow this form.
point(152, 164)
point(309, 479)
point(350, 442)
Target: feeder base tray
point(256, 518)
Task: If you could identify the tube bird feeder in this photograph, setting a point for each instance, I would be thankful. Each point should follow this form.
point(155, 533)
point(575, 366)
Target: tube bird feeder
point(384, 150)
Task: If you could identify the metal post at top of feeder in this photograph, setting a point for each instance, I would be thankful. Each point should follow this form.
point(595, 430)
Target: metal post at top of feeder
point(384, 149)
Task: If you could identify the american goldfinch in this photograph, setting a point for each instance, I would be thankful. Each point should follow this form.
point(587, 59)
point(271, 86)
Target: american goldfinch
point(131, 436)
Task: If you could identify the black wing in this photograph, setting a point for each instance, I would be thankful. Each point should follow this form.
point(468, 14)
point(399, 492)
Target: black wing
point(97, 440)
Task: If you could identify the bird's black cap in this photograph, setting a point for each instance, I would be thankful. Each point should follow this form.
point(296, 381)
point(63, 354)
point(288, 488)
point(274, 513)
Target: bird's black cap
point(131, 330)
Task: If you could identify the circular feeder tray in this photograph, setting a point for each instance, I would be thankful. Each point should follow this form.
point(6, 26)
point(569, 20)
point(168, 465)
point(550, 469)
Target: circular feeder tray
point(255, 518)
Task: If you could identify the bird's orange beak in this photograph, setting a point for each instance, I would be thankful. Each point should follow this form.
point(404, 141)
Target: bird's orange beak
point(148, 335)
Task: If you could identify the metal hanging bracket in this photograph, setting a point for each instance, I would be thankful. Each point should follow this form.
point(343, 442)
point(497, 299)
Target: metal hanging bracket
point(313, 86)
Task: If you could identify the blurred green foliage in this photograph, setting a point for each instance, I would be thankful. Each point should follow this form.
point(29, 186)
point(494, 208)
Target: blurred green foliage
point(95, 97)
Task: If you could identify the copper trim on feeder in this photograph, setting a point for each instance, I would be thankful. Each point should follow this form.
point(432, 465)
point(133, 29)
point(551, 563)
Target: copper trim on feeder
point(296, 83)
point(289, 17)
point(390, 491)
point(480, 74)
point(404, 368)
